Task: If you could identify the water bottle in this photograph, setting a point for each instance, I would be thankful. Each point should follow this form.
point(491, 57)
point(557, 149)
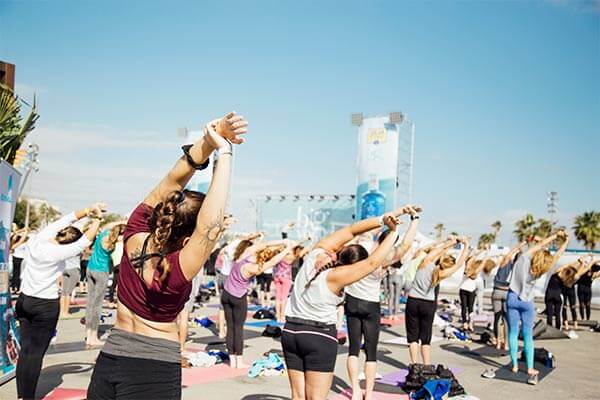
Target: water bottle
point(549, 360)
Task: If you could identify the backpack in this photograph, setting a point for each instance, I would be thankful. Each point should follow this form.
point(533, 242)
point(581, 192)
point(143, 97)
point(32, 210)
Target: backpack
point(272, 331)
point(418, 374)
point(444, 373)
point(263, 313)
point(542, 356)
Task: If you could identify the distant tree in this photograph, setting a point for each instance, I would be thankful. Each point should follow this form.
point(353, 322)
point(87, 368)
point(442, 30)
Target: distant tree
point(485, 240)
point(543, 228)
point(496, 226)
point(47, 214)
point(587, 229)
point(20, 215)
point(112, 217)
point(524, 228)
point(439, 229)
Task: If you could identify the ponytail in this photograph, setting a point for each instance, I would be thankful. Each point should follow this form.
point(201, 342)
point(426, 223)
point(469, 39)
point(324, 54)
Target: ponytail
point(321, 269)
point(163, 219)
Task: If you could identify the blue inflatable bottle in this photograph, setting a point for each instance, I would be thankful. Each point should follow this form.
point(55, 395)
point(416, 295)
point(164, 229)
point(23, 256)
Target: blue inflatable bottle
point(373, 201)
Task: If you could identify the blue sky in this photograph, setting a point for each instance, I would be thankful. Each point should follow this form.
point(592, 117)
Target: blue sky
point(505, 96)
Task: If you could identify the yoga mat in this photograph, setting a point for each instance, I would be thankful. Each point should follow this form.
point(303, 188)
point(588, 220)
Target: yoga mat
point(67, 394)
point(75, 315)
point(589, 324)
point(263, 323)
point(347, 394)
point(392, 322)
point(505, 373)
point(483, 318)
point(398, 378)
point(219, 372)
point(403, 342)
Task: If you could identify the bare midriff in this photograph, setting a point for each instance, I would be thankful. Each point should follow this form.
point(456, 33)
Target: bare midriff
point(130, 322)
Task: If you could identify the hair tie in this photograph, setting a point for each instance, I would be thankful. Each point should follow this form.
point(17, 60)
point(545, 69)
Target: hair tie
point(180, 196)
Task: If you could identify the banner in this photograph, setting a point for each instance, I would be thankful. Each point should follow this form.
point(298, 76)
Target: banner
point(10, 180)
point(377, 169)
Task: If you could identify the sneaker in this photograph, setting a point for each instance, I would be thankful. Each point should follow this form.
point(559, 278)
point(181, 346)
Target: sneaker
point(54, 337)
point(532, 379)
point(489, 374)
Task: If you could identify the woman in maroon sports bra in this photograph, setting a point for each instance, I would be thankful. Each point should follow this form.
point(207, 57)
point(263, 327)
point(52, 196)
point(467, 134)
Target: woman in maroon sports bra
point(167, 241)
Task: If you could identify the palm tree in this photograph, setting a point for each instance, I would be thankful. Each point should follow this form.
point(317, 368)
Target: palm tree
point(485, 240)
point(13, 129)
point(525, 228)
point(439, 228)
point(543, 228)
point(587, 229)
point(496, 226)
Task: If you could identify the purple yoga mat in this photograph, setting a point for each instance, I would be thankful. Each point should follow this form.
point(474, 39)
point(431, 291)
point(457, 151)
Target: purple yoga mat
point(398, 378)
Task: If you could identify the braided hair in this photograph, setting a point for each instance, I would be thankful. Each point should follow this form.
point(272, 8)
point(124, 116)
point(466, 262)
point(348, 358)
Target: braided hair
point(348, 255)
point(173, 220)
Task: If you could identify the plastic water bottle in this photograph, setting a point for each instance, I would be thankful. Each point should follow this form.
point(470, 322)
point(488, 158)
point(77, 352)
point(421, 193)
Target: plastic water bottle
point(549, 363)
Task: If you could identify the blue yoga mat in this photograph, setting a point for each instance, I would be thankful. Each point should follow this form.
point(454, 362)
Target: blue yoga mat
point(263, 323)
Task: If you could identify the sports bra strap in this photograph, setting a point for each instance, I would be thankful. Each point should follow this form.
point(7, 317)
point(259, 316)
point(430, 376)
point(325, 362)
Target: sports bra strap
point(138, 262)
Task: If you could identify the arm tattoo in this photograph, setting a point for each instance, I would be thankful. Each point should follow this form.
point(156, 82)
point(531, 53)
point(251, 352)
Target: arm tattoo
point(213, 232)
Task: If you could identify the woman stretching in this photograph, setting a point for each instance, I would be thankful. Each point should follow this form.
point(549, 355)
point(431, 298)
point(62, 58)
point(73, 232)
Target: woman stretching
point(468, 288)
point(421, 304)
point(562, 277)
point(584, 289)
point(499, 294)
point(363, 312)
point(38, 304)
point(248, 261)
point(282, 278)
point(529, 267)
point(167, 241)
point(97, 277)
point(309, 337)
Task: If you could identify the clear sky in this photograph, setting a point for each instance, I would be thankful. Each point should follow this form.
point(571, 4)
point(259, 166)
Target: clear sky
point(505, 96)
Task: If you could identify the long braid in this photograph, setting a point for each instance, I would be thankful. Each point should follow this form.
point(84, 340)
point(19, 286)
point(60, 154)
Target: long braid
point(325, 267)
point(164, 215)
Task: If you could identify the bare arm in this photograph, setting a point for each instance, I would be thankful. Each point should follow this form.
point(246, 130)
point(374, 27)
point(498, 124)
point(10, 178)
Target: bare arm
point(178, 177)
point(210, 220)
point(511, 254)
point(561, 250)
point(339, 238)
point(443, 274)
point(255, 269)
point(345, 275)
point(406, 243)
point(584, 269)
point(534, 249)
point(437, 252)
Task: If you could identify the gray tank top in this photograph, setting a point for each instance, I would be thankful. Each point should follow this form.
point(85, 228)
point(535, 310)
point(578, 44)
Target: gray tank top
point(421, 287)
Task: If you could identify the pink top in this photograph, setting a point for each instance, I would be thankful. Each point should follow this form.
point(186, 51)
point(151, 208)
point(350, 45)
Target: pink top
point(283, 271)
point(155, 302)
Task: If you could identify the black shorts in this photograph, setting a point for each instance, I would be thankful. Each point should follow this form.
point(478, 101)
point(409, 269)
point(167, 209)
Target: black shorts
point(309, 348)
point(118, 377)
point(419, 320)
point(264, 280)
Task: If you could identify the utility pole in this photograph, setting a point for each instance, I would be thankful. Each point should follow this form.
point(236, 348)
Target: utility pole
point(552, 203)
point(31, 164)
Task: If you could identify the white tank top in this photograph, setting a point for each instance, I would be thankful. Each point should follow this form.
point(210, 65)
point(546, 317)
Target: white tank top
point(317, 302)
point(369, 287)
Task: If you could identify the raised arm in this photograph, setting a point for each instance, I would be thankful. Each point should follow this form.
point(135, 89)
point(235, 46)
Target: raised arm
point(562, 247)
point(407, 240)
point(436, 252)
point(511, 254)
point(338, 239)
point(445, 273)
point(229, 127)
point(342, 276)
point(210, 220)
point(584, 268)
point(545, 242)
point(274, 261)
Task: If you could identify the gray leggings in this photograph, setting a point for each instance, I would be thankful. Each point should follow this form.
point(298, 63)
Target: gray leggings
point(395, 286)
point(96, 288)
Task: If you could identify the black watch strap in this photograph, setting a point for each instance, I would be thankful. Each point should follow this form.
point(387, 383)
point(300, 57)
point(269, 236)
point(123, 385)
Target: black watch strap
point(186, 151)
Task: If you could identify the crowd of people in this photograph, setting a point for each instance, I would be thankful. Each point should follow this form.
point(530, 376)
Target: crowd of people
point(156, 259)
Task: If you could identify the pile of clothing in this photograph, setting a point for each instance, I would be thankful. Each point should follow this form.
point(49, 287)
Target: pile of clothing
point(270, 365)
point(452, 333)
point(431, 382)
point(205, 359)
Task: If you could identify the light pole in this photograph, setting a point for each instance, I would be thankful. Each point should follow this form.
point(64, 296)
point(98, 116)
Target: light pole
point(552, 203)
point(31, 164)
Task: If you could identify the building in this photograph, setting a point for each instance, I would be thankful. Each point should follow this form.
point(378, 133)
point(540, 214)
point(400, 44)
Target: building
point(7, 74)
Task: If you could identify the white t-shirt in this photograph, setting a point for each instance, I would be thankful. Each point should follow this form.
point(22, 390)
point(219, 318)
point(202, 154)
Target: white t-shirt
point(72, 263)
point(20, 251)
point(317, 303)
point(45, 260)
point(228, 254)
point(369, 287)
point(468, 284)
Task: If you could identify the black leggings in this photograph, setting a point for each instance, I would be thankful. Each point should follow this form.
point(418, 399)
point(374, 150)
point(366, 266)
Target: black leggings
point(553, 307)
point(113, 286)
point(364, 320)
point(419, 320)
point(37, 321)
point(15, 280)
point(569, 296)
point(467, 300)
point(236, 309)
point(118, 377)
point(584, 294)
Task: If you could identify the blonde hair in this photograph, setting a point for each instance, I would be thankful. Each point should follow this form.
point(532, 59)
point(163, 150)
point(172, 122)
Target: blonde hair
point(265, 255)
point(541, 262)
point(445, 262)
point(489, 266)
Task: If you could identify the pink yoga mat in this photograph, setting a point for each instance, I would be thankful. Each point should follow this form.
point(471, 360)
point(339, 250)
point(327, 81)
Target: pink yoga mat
point(347, 394)
point(388, 321)
point(198, 375)
point(66, 394)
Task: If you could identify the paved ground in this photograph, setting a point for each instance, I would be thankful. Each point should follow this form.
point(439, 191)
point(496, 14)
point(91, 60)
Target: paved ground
point(69, 366)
